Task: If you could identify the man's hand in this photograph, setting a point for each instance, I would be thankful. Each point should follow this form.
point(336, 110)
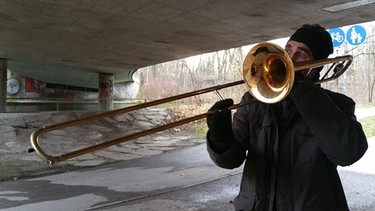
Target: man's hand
point(220, 125)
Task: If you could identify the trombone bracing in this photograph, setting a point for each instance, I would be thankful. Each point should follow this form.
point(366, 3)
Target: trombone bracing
point(268, 74)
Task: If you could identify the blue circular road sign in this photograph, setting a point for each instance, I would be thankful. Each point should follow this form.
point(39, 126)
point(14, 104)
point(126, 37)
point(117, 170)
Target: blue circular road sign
point(356, 35)
point(338, 36)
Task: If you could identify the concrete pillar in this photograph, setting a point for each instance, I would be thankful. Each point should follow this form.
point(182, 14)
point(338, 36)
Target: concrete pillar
point(3, 85)
point(105, 91)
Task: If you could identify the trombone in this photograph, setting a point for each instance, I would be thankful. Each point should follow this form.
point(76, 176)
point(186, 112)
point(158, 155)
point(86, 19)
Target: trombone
point(268, 74)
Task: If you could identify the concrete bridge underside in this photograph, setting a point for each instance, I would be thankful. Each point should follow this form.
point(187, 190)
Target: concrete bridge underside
point(71, 42)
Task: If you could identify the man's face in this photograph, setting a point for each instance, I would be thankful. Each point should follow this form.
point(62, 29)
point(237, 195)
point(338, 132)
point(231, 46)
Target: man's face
point(299, 52)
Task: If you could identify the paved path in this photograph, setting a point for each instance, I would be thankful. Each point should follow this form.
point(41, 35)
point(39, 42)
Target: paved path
point(184, 179)
point(363, 112)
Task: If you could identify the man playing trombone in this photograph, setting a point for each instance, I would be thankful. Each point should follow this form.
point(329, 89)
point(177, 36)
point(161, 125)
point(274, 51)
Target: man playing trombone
point(291, 148)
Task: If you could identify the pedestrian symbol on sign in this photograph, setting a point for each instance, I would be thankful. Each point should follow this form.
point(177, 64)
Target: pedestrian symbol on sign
point(356, 35)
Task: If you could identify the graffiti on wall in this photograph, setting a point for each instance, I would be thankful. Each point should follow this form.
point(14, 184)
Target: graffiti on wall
point(13, 86)
point(20, 87)
point(32, 85)
point(105, 89)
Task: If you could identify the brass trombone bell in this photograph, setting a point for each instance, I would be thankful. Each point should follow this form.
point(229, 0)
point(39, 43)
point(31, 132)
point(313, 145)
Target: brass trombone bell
point(268, 71)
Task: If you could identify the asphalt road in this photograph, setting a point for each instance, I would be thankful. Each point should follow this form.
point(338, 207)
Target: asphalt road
point(183, 179)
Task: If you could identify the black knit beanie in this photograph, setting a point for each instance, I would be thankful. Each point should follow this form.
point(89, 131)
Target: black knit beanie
point(316, 38)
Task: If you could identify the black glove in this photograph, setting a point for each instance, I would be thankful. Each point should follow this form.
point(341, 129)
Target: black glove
point(220, 125)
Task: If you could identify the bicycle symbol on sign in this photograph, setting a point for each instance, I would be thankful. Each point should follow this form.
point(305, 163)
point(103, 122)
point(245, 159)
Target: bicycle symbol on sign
point(337, 36)
point(354, 36)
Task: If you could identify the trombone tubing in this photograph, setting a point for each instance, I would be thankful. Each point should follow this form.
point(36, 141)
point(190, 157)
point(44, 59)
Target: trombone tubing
point(53, 159)
point(318, 63)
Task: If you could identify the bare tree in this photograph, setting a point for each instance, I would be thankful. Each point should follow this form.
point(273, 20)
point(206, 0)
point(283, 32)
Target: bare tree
point(225, 66)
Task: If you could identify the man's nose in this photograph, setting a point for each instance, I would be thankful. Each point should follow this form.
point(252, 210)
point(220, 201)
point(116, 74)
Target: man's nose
point(292, 56)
